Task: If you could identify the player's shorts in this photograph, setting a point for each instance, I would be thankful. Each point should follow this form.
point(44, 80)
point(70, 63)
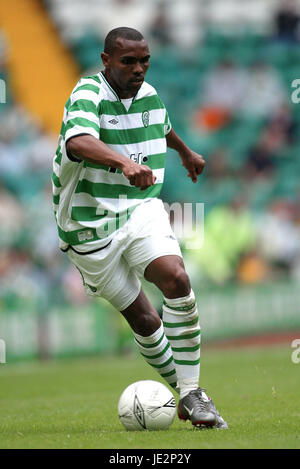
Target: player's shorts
point(114, 272)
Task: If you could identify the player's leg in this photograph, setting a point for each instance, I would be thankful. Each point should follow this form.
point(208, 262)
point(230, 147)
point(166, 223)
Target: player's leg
point(181, 325)
point(150, 337)
point(155, 254)
point(180, 318)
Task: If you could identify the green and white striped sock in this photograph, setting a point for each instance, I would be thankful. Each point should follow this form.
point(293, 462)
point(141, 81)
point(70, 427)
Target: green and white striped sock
point(157, 352)
point(181, 325)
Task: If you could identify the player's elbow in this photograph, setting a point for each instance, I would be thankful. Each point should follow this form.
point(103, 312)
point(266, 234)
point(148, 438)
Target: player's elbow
point(73, 146)
point(75, 149)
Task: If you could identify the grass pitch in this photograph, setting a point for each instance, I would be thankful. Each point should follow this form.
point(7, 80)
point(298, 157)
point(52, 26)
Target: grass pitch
point(73, 403)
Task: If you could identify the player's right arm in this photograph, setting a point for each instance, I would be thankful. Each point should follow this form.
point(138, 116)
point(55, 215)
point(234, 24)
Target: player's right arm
point(87, 147)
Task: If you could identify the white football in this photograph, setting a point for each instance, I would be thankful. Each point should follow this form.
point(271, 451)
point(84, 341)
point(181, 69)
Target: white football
point(147, 405)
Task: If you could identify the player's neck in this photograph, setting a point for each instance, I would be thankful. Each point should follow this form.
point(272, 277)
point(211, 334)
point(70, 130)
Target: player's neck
point(121, 93)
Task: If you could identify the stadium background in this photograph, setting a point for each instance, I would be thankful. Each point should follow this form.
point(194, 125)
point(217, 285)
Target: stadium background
point(225, 71)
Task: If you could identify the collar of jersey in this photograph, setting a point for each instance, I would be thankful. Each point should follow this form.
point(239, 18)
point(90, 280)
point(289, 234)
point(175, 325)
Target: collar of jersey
point(139, 94)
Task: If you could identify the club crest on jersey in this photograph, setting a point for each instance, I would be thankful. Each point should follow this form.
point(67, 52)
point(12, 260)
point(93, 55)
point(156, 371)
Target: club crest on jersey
point(146, 118)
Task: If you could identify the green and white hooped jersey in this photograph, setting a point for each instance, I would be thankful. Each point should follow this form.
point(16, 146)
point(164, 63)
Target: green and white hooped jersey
point(92, 201)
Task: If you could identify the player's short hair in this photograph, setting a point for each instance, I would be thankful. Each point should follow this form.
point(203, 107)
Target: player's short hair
point(122, 32)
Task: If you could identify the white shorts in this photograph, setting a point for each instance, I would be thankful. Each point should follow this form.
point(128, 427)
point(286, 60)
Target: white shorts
point(114, 272)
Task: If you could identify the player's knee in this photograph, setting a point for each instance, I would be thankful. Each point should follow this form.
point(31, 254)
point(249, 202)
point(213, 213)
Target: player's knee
point(177, 284)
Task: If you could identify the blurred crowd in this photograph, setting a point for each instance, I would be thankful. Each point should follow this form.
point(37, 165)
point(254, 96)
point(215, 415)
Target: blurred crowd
point(243, 243)
point(30, 263)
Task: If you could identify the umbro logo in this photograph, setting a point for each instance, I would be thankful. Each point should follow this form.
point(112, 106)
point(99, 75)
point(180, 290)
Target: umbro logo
point(114, 121)
point(138, 412)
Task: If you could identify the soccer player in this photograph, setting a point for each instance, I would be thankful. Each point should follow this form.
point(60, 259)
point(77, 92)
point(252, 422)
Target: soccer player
point(108, 173)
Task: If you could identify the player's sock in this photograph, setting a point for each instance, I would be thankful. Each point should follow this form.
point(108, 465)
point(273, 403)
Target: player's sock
point(157, 352)
point(181, 325)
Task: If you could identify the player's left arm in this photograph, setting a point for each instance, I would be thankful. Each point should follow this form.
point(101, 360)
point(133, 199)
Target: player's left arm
point(192, 161)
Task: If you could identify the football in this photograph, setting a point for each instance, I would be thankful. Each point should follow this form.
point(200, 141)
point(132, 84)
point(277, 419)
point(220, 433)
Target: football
point(146, 405)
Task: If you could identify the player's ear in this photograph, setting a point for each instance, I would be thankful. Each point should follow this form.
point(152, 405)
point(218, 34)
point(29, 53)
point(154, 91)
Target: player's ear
point(105, 59)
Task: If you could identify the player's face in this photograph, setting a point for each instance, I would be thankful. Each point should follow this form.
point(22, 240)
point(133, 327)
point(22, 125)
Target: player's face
point(126, 67)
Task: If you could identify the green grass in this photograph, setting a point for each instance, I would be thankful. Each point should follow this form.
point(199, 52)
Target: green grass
point(73, 404)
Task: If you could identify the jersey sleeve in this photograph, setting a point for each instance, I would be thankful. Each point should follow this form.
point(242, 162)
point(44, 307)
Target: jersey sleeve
point(167, 122)
point(83, 110)
point(168, 125)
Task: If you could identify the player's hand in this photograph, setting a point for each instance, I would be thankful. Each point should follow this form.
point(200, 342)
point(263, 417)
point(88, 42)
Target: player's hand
point(194, 163)
point(138, 175)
